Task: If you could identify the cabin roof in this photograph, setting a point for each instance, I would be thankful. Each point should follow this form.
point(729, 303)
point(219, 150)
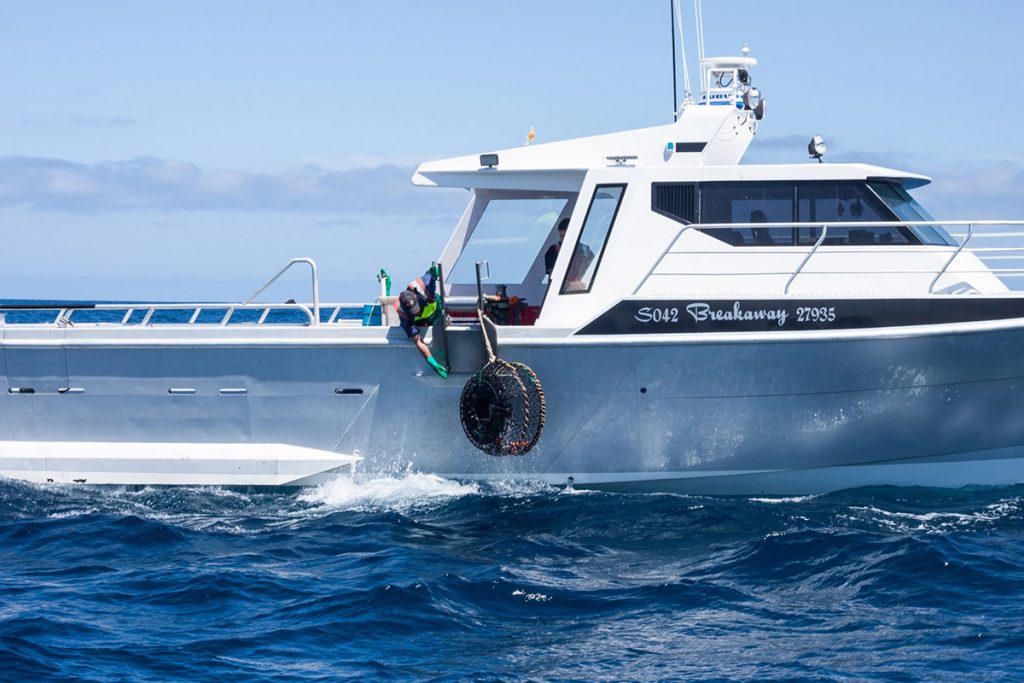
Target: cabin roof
point(571, 179)
point(803, 171)
point(707, 143)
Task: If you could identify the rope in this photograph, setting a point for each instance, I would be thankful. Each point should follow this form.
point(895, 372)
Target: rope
point(486, 337)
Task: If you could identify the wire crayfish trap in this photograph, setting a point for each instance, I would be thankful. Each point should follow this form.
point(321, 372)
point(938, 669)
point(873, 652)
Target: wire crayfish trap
point(503, 408)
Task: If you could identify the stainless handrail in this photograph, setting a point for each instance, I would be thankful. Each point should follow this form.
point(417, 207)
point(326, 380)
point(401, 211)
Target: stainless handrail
point(657, 262)
point(945, 266)
point(824, 231)
point(956, 249)
point(316, 286)
point(197, 309)
point(65, 312)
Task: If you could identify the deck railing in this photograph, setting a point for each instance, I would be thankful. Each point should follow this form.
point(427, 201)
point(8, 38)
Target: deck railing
point(210, 314)
point(963, 232)
point(315, 317)
point(220, 314)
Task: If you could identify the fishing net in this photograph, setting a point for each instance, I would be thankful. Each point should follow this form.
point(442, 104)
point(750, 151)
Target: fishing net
point(503, 408)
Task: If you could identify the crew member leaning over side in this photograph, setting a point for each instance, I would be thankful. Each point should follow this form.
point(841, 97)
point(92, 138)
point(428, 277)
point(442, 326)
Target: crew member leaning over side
point(417, 308)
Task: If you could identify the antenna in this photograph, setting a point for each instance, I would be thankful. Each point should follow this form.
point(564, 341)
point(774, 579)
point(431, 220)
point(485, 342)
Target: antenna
point(675, 95)
point(698, 15)
point(687, 95)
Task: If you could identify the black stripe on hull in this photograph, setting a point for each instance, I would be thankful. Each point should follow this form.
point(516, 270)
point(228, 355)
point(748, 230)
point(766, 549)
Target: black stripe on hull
point(686, 316)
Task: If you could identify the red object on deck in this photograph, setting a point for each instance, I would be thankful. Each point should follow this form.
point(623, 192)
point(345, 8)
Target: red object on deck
point(529, 315)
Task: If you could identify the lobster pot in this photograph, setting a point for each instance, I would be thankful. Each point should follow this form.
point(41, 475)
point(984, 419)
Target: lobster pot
point(503, 408)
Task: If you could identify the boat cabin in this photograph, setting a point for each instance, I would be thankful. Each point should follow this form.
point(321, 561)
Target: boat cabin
point(670, 211)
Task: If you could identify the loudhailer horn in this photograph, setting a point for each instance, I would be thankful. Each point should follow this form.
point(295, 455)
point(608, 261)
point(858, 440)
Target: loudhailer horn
point(502, 407)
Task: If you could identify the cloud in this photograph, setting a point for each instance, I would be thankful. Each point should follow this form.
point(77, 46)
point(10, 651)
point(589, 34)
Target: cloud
point(165, 184)
point(104, 121)
point(782, 142)
point(993, 191)
point(338, 223)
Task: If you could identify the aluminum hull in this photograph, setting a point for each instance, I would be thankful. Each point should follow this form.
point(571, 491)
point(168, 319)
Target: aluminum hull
point(724, 414)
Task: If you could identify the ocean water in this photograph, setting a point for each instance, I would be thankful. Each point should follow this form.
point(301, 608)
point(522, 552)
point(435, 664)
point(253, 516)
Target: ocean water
point(414, 577)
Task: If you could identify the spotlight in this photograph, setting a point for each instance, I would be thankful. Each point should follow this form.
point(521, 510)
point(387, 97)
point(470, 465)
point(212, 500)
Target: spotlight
point(751, 98)
point(759, 110)
point(816, 148)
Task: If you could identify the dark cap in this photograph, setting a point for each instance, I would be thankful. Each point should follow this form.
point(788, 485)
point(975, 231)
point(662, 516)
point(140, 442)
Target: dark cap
point(409, 302)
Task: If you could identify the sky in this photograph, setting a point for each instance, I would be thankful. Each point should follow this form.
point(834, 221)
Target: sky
point(187, 150)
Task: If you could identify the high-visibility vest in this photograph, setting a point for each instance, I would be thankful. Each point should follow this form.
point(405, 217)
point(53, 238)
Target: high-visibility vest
point(430, 310)
point(427, 315)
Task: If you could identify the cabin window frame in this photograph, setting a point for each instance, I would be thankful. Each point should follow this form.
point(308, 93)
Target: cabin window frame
point(604, 244)
point(800, 226)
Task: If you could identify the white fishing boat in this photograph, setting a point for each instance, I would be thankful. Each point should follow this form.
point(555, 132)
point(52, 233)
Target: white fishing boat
point(708, 326)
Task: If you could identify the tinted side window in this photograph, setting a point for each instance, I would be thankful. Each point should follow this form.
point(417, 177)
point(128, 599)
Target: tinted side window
point(748, 203)
point(825, 202)
point(845, 203)
point(586, 257)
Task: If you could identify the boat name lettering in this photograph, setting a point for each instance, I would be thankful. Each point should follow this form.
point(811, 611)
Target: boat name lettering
point(702, 311)
point(649, 314)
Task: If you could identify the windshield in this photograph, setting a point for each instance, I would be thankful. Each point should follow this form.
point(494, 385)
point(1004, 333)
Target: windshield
point(906, 208)
point(509, 235)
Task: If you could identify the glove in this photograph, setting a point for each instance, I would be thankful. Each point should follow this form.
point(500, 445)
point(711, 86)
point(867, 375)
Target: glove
point(438, 368)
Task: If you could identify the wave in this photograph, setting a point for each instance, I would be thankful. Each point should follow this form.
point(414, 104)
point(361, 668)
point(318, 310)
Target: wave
point(510, 581)
point(386, 492)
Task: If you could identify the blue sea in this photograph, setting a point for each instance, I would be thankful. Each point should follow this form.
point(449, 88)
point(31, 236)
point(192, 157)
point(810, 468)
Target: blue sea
point(414, 577)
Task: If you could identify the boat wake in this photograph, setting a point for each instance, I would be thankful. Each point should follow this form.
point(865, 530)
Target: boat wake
point(400, 492)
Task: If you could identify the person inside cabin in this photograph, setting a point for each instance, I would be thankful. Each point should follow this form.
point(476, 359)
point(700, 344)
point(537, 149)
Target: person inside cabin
point(761, 235)
point(551, 255)
point(417, 308)
point(576, 274)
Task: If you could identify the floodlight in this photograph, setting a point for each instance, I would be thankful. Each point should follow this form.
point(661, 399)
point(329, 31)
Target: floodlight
point(816, 148)
point(751, 98)
point(759, 110)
